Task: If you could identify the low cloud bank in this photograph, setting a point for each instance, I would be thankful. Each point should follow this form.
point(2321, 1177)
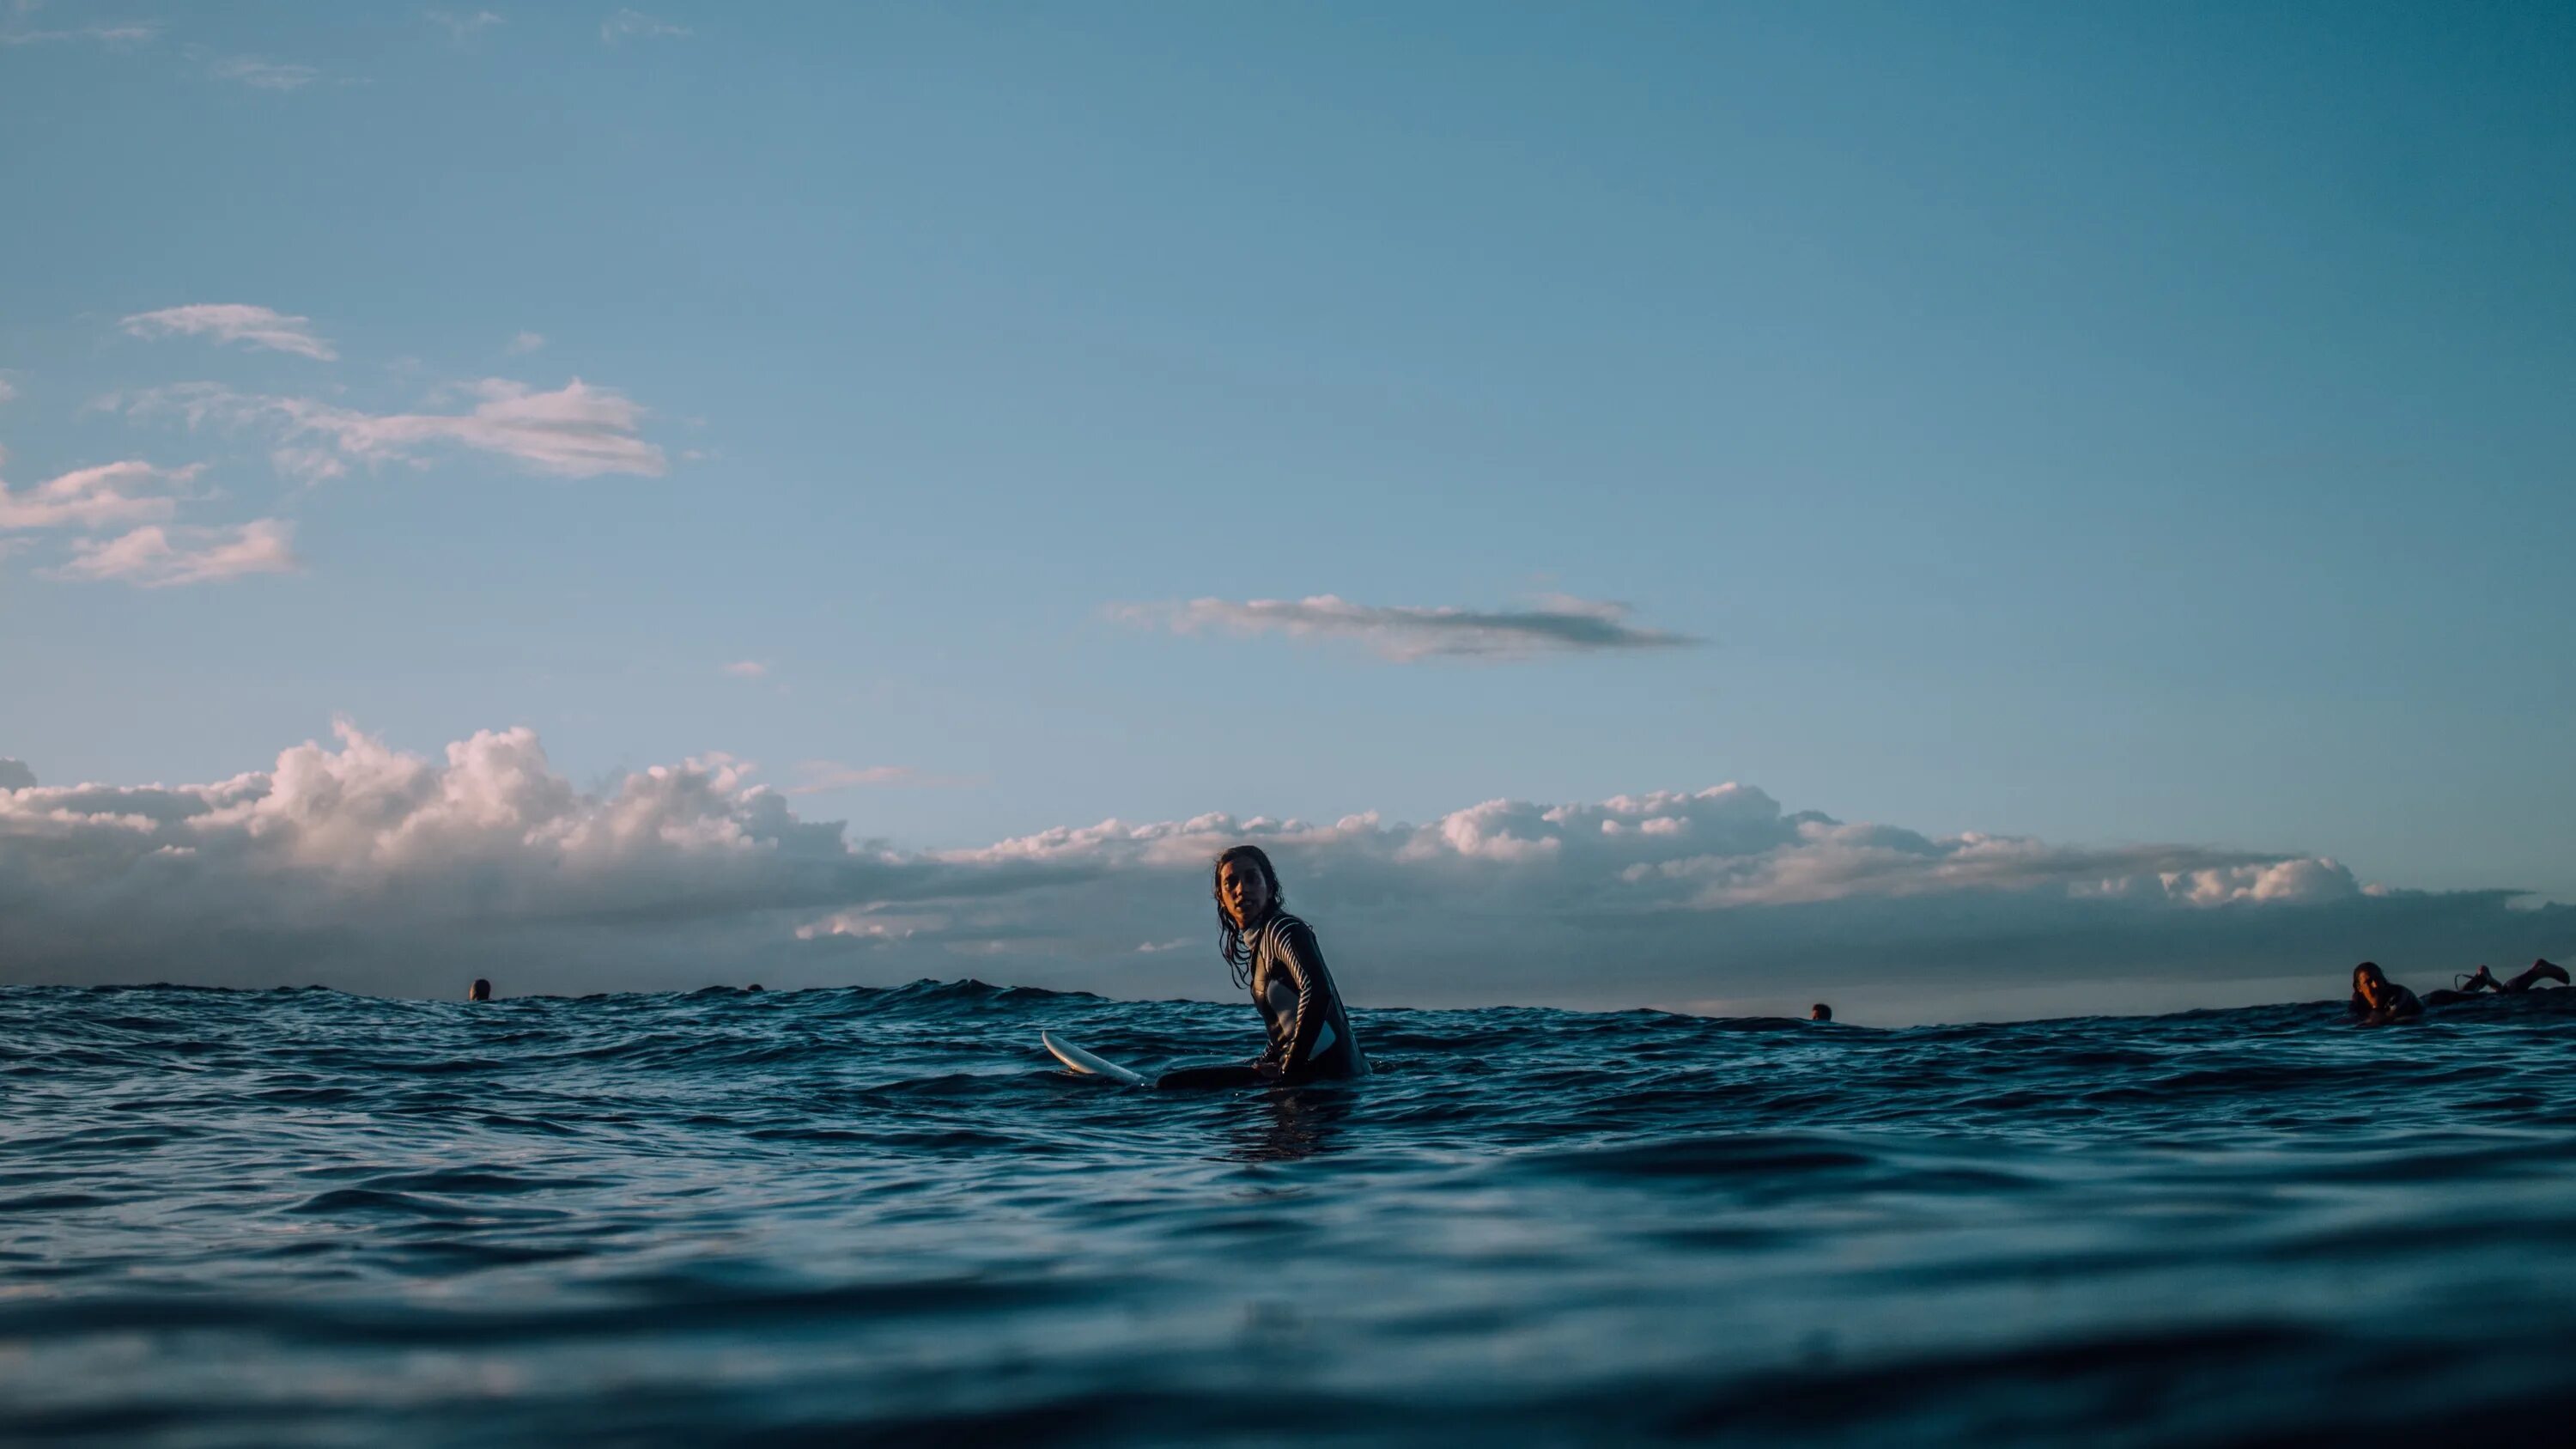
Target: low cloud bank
point(357, 865)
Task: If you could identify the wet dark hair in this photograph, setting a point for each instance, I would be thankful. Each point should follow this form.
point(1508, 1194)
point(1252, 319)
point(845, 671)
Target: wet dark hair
point(2370, 966)
point(1820, 1012)
point(481, 990)
point(1229, 939)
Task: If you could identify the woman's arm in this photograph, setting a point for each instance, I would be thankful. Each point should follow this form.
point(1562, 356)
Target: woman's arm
point(1299, 953)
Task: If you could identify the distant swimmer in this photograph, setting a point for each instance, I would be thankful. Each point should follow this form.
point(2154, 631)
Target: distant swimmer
point(2377, 1001)
point(1275, 955)
point(481, 990)
point(1820, 1012)
point(2484, 980)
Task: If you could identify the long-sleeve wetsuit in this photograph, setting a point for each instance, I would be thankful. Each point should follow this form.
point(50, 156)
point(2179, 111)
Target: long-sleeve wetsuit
point(1310, 1032)
point(2403, 1005)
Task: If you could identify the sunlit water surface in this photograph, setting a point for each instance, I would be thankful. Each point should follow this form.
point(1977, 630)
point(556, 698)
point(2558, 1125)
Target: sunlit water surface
point(292, 1217)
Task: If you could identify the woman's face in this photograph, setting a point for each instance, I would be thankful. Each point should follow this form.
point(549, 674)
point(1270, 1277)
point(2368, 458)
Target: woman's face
point(1245, 892)
point(2372, 986)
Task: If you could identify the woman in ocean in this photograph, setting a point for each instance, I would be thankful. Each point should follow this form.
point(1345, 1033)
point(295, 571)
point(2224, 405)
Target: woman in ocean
point(1274, 954)
point(2377, 1001)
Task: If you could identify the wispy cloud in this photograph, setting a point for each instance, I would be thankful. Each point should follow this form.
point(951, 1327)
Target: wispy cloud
point(575, 431)
point(112, 493)
point(816, 777)
point(307, 465)
point(525, 343)
point(125, 33)
point(266, 75)
point(747, 669)
point(1556, 624)
point(130, 492)
point(154, 557)
point(235, 322)
point(8, 390)
point(461, 26)
point(636, 25)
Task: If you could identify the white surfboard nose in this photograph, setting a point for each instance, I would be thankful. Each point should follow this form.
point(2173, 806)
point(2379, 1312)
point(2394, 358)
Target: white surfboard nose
point(1088, 1065)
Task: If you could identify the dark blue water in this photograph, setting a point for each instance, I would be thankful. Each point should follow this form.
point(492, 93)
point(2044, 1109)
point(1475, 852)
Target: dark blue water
point(309, 1218)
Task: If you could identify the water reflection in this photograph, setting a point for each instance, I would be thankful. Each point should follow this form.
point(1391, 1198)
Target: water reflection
point(1293, 1123)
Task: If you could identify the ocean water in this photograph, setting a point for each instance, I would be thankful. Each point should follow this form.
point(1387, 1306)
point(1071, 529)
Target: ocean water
point(302, 1217)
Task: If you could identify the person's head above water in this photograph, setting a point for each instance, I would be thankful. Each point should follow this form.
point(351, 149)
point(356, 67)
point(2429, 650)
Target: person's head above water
point(1247, 891)
point(2370, 983)
point(1820, 1012)
point(481, 990)
point(1247, 886)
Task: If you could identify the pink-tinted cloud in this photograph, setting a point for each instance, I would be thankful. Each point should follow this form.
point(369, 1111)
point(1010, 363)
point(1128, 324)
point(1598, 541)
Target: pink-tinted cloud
point(575, 431)
point(153, 557)
point(235, 322)
point(112, 493)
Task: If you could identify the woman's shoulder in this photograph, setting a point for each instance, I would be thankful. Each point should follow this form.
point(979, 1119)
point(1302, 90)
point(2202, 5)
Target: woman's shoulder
point(1296, 940)
point(1287, 928)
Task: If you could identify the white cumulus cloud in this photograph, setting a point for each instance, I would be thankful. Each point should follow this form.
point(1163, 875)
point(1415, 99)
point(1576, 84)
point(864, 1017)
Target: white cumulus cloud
point(235, 322)
point(1409, 633)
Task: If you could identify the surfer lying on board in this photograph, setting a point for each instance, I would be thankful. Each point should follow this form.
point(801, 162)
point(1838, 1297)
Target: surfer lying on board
point(2484, 980)
point(2377, 1001)
point(1275, 955)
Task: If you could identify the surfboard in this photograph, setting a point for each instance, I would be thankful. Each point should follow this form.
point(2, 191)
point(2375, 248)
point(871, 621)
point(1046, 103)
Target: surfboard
point(1088, 1065)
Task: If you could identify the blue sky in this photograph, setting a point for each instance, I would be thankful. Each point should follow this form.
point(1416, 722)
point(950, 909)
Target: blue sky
point(2109, 424)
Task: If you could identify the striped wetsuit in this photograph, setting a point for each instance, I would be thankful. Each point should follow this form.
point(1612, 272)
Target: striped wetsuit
point(1310, 1033)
